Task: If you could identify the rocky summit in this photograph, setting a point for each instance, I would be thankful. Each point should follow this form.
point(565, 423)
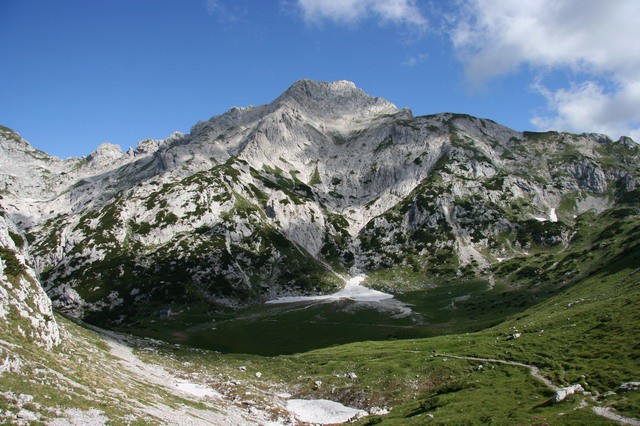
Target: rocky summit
point(504, 267)
point(285, 198)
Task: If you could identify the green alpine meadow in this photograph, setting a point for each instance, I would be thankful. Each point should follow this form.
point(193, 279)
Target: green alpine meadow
point(321, 259)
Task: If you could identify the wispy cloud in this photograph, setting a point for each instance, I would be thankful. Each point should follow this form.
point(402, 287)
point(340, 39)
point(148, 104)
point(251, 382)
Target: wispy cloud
point(596, 40)
point(415, 59)
point(225, 13)
point(400, 12)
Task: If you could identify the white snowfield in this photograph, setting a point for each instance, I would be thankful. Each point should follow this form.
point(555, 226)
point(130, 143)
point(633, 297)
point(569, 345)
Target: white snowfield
point(353, 290)
point(322, 411)
point(553, 217)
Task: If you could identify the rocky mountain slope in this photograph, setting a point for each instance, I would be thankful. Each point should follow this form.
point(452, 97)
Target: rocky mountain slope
point(279, 199)
point(525, 248)
point(24, 306)
point(523, 370)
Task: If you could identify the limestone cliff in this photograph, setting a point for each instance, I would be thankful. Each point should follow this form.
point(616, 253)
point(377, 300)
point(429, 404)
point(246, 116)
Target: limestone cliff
point(270, 200)
point(25, 309)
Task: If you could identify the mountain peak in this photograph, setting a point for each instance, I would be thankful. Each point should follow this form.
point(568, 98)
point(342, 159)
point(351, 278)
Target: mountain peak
point(106, 152)
point(334, 98)
point(311, 86)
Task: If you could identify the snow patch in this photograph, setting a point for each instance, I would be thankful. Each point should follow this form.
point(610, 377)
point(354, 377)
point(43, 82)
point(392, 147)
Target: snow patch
point(553, 217)
point(322, 411)
point(353, 290)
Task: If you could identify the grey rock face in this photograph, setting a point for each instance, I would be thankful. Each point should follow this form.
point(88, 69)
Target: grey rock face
point(589, 177)
point(270, 200)
point(21, 295)
point(106, 153)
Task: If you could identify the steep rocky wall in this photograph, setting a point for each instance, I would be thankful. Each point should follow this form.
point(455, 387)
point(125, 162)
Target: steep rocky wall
point(25, 308)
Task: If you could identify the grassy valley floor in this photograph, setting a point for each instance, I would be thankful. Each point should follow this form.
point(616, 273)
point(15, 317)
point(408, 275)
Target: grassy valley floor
point(586, 335)
point(463, 354)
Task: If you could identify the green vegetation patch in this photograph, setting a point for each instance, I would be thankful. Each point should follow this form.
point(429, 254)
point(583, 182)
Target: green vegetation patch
point(12, 266)
point(386, 143)
point(17, 240)
point(315, 177)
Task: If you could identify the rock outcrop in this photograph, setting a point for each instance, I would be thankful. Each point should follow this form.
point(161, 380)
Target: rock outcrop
point(562, 393)
point(25, 309)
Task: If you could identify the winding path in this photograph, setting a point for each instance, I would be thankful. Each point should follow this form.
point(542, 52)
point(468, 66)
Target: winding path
point(535, 372)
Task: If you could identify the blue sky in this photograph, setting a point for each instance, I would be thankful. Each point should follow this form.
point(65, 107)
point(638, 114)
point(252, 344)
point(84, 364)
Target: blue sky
point(76, 73)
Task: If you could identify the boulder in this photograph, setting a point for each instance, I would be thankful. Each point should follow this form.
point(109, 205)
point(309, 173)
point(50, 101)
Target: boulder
point(562, 393)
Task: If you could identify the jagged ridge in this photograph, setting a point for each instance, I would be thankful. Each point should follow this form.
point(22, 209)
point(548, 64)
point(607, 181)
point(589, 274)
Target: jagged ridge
point(265, 201)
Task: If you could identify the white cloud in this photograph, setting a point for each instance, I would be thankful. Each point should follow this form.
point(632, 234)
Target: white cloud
point(404, 12)
point(497, 36)
point(596, 40)
point(588, 107)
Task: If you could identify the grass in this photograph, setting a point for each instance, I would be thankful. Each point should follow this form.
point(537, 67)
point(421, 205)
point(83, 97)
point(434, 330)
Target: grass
point(598, 349)
point(407, 376)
